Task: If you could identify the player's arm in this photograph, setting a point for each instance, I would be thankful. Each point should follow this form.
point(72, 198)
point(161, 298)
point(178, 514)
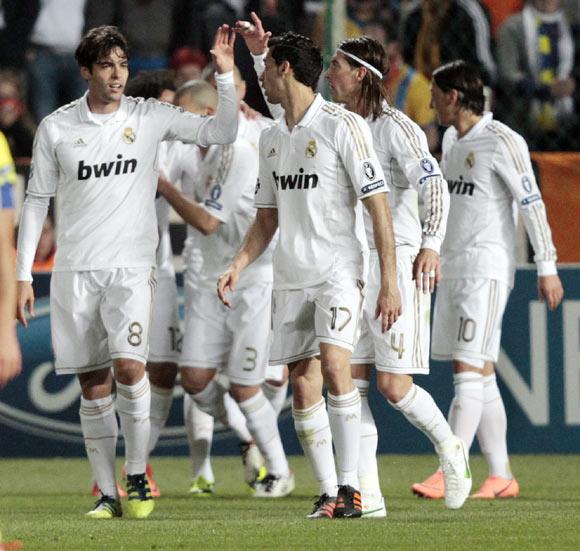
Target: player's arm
point(42, 184)
point(389, 299)
point(191, 211)
point(422, 171)
point(354, 143)
point(256, 39)
point(255, 243)
point(10, 359)
point(512, 163)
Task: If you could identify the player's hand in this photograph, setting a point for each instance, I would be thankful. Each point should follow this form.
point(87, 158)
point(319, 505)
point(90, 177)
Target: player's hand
point(249, 113)
point(388, 306)
point(550, 289)
point(162, 183)
point(24, 301)
point(427, 270)
point(253, 33)
point(222, 50)
point(226, 283)
point(10, 358)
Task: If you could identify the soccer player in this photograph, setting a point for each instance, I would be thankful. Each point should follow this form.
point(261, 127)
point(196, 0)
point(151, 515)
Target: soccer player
point(355, 76)
point(235, 341)
point(487, 166)
point(98, 154)
point(315, 165)
point(10, 360)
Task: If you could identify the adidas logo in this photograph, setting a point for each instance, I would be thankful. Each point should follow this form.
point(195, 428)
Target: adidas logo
point(79, 142)
point(272, 153)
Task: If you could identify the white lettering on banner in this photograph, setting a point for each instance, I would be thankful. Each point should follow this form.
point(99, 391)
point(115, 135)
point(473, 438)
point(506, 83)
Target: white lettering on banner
point(533, 399)
point(571, 322)
point(51, 402)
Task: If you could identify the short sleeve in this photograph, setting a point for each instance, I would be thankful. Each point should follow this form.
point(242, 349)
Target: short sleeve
point(44, 170)
point(354, 143)
point(265, 194)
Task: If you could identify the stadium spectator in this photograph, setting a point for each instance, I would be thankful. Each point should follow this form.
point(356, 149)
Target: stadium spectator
point(488, 168)
point(149, 26)
point(535, 53)
point(409, 89)
point(53, 75)
point(17, 18)
point(104, 275)
point(500, 10)
point(15, 121)
point(434, 32)
point(10, 359)
point(188, 64)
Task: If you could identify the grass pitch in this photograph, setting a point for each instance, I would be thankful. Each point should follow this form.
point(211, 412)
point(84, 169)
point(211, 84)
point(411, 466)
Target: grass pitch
point(42, 503)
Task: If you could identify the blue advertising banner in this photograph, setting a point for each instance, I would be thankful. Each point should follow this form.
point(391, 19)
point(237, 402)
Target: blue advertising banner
point(539, 375)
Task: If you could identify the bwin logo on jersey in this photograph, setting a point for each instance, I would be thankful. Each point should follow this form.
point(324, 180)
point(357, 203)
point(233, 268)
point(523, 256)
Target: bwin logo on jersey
point(120, 166)
point(459, 187)
point(296, 181)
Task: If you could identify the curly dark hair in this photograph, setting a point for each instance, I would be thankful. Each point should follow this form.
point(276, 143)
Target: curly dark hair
point(301, 53)
point(150, 84)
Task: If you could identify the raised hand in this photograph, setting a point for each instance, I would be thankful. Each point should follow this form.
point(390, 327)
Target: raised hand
point(222, 50)
point(254, 36)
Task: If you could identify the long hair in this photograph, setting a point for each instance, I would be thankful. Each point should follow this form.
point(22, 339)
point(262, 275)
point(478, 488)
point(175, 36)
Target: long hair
point(373, 92)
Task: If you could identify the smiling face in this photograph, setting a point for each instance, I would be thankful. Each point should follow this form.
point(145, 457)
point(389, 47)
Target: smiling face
point(344, 79)
point(106, 80)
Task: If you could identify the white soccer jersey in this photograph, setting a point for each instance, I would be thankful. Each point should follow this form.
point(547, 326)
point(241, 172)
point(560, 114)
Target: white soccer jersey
point(250, 129)
point(314, 175)
point(106, 175)
point(486, 170)
point(414, 179)
point(223, 182)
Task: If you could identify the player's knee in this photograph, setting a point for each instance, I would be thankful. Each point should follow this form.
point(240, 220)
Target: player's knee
point(128, 372)
point(304, 390)
point(394, 388)
point(163, 374)
point(195, 380)
point(241, 393)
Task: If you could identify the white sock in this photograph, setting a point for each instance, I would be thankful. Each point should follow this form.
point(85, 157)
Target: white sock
point(263, 426)
point(161, 400)
point(236, 420)
point(276, 395)
point(422, 412)
point(313, 431)
point(492, 429)
point(133, 405)
point(467, 405)
point(100, 431)
point(344, 415)
point(211, 400)
point(368, 473)
point(199, 426)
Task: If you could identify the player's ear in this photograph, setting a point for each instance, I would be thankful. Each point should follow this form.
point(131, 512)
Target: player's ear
point(284, 68)
point(85, 73)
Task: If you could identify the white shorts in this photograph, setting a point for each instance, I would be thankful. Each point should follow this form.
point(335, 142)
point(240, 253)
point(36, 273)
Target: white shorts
point(165, 334)
point(405, 347)
point(235, 341)
point(304, 318)
point(275, 372)
point(100, 315)
point(467, 320)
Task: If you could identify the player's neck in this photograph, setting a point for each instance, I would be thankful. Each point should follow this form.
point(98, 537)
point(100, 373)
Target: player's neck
point(100, 107)
point(296, 104)
point(466, 120)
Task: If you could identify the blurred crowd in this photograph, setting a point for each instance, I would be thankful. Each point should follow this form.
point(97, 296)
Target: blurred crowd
point(526, 50)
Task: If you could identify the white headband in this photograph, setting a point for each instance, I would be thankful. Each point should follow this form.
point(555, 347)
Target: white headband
point(363, 63)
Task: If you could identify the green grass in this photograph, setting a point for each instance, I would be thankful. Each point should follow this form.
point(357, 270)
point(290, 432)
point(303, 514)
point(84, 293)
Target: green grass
point(42, 503)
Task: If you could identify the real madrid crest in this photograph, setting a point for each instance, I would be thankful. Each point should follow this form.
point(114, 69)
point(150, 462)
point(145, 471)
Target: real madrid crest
point(470, 160)
point(129, 135)
point(311, 149)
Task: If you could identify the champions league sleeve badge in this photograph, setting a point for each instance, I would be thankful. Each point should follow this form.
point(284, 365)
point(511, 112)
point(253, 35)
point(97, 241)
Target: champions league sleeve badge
point(128, 135)
point(427, 166)
point(369, 170)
